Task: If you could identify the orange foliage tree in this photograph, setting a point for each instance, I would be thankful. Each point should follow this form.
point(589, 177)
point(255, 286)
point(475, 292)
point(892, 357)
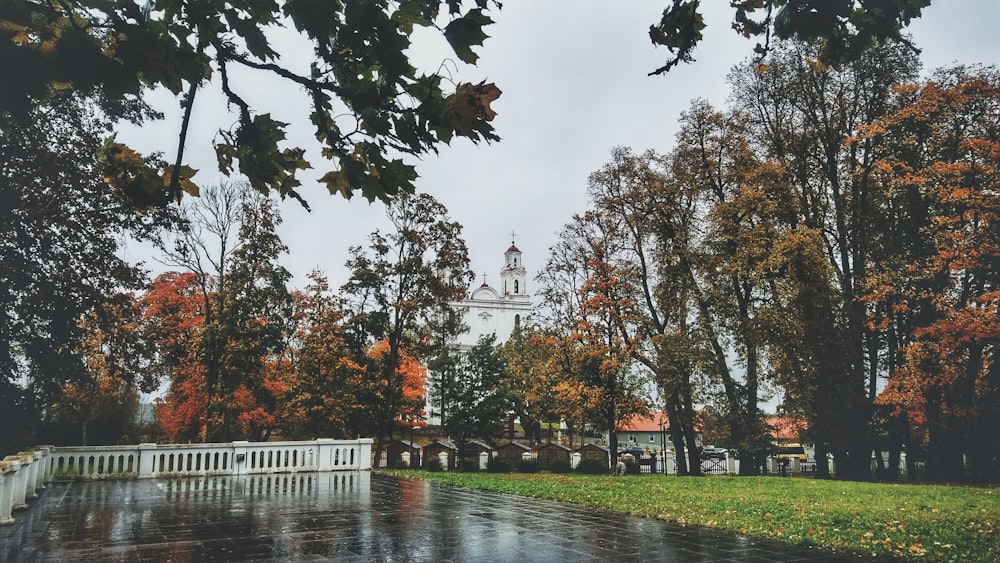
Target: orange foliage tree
point(102, 405)
point(324, 395)
point(942, 169)
point(174, 315)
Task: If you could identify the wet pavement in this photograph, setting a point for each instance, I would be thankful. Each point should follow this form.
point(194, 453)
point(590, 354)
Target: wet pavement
point(346, 517)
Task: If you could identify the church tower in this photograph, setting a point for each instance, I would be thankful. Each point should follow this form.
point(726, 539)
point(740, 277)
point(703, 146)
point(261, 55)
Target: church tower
point(513, 273)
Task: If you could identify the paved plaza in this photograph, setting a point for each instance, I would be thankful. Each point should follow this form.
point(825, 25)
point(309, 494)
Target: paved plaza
point(346, 516)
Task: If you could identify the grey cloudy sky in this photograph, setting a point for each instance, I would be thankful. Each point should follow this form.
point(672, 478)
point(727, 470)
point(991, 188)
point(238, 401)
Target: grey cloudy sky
point(575, 84)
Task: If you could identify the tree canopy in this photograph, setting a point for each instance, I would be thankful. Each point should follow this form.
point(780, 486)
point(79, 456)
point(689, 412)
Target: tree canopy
point(368, 103)
point(843, 29)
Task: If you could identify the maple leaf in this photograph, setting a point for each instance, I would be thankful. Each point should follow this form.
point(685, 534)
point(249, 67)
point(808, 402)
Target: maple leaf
point(470, 104)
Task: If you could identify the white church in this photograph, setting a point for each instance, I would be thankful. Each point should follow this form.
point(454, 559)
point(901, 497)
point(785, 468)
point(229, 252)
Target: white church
point(497, 311)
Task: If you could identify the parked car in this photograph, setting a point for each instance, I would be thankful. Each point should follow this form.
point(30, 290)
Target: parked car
point(634, 451)
point(713, 453)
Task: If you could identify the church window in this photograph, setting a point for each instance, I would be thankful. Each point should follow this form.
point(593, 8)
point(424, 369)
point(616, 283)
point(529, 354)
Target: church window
point(515, 286)
point(517, 321)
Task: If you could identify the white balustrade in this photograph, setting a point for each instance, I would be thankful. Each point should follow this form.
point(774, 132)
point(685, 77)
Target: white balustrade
point(24, 474)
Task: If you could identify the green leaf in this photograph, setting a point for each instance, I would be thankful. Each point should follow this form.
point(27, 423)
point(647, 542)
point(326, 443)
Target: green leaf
point(465, 32)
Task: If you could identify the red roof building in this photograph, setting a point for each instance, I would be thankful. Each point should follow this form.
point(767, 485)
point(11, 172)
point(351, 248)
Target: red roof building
point(648, 432)
point(785, 429)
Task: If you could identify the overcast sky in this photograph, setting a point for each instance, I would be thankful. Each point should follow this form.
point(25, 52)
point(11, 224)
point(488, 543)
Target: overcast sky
point(575, 84)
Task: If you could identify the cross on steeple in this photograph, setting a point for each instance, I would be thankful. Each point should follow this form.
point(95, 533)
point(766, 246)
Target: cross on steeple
point(512, 235)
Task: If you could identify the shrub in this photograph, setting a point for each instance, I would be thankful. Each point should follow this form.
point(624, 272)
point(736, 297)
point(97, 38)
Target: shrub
point(560, 466)
point(434, 464)
point(592, 467)
point(631, 464)
point(398, 463)
point(498, 465)
point(470, 464)
point(527, 466)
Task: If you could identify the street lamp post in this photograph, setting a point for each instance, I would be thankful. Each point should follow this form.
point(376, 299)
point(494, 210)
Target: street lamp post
point(663, 446)
point(412, 464)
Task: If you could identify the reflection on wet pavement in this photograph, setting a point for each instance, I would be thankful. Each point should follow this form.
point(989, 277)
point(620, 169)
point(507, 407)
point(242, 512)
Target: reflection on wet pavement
point(345, 516)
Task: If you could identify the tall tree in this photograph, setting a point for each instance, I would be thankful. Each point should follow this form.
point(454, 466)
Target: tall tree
point(60, 233)
point(251, 327)
point(326, 388)
point(800, 112)
point(174, 313)
point(648, 244)
point(231, 246)
point(531, 355)
point(103, 406)
point(397, 285)
point(367, 100)
point(940, 292)
point(592, 297)
point(483, 398)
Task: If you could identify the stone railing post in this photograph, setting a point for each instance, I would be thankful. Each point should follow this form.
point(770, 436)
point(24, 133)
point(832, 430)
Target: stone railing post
point(8, 470)
point(731, 465)
point(31, 475)
point(365, 453)
point(147, 460)
point(484, 460)
point(46, 472)
point(19, 486)
point(795, 464)
point(324, 449)
point(241, 459)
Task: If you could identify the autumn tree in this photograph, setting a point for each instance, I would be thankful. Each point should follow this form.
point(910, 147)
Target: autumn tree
point(60, 236)
point(251, 327)
point(397, 284)
point(102, 407)
point(368, 103)
point(328, 374)
point(530, 355)
point(482, 399)
point(939, 169)
point(799, 114)
point(630, 195)
point(230, 245)
point(391, 402)
point(592, 298)
point(174, 314)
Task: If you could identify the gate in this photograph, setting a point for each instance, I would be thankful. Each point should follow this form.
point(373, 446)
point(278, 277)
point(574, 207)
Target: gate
point(714, 466)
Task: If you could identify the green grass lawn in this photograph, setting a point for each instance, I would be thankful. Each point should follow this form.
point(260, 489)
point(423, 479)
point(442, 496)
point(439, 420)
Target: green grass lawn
point(928, 522)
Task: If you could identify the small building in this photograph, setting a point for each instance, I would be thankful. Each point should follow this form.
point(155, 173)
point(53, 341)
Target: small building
point(434, 450)
point(549, 453)
point(648, 432)
point(394, 453)
point(595, 451)
point(512, 452)
point(474, 447)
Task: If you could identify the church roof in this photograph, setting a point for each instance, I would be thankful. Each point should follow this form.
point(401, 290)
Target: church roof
point(513, 248)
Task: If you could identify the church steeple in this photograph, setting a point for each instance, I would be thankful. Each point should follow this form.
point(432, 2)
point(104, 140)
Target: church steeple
point(513, 273)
